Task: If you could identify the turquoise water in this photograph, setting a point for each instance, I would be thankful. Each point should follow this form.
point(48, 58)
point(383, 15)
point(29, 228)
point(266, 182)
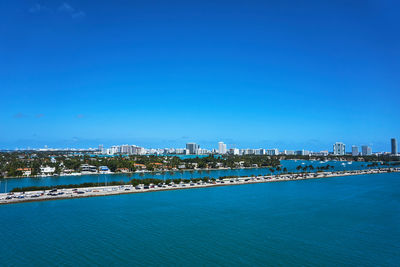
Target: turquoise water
point(49, 181)
point(347, 221)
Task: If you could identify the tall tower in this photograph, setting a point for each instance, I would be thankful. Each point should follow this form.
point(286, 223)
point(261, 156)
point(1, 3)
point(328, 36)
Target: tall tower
point(354, 151)
point(192, 148)
point(221, 148)
point(339, 149)
point(394, 146)
point(366, 150)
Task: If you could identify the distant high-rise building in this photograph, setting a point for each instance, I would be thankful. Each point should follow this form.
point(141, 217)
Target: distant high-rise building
point(272, 152)
point(302, 152)
point(115, 150)
point(192, 148)
point(125, 149)
point(394, 146)
point(324, 153)
point(234, 151)
point(366, 150)
point(101, 148)
point(354, 151)
point(288, 152)
point(339, 149)
point(260, 151)
point(221, 148)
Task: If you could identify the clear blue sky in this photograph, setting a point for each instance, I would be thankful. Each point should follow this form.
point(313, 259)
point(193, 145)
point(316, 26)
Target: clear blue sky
point(285, 74)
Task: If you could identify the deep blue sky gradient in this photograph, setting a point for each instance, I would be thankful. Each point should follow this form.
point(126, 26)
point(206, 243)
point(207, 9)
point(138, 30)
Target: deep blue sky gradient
point(285, 74)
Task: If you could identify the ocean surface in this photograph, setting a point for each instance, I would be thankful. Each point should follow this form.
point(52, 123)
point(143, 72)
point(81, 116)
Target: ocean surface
point(343, 221)
point(8, 184)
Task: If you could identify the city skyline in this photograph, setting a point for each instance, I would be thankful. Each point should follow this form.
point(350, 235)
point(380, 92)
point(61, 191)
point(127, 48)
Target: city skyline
point(314, 145)
point(193, 148)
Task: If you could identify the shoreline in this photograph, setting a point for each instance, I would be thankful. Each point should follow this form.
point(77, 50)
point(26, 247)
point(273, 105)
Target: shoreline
point(47, 195)
point(174, 171)
point(131, 173)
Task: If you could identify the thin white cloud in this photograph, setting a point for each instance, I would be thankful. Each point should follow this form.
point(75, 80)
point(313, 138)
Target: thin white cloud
point(73, 12)
point(79, 14)
point(36, 8)
point(65, 7)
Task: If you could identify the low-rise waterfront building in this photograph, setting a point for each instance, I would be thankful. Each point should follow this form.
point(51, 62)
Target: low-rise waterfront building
point(139, 166)
point(104, 169)
point(123, 170)
point(88, 168)
point(25, 171)
point(47, 170)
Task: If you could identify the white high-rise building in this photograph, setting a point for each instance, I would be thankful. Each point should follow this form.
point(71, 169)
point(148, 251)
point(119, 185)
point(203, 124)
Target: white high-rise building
point(125, 149)
point(115, 150)
point(272, 152)
point(221, 148)
point(366, 150)
point(302, 152)
point(339, 149)
point(324, 153)
point(234, 151)
point(247, 151)
point(180, 151)
point(354, 151)
point(288, 152)
point(260, 151)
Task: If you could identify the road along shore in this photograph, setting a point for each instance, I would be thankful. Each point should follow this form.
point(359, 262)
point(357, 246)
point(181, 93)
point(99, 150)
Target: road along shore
point(56, 194)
